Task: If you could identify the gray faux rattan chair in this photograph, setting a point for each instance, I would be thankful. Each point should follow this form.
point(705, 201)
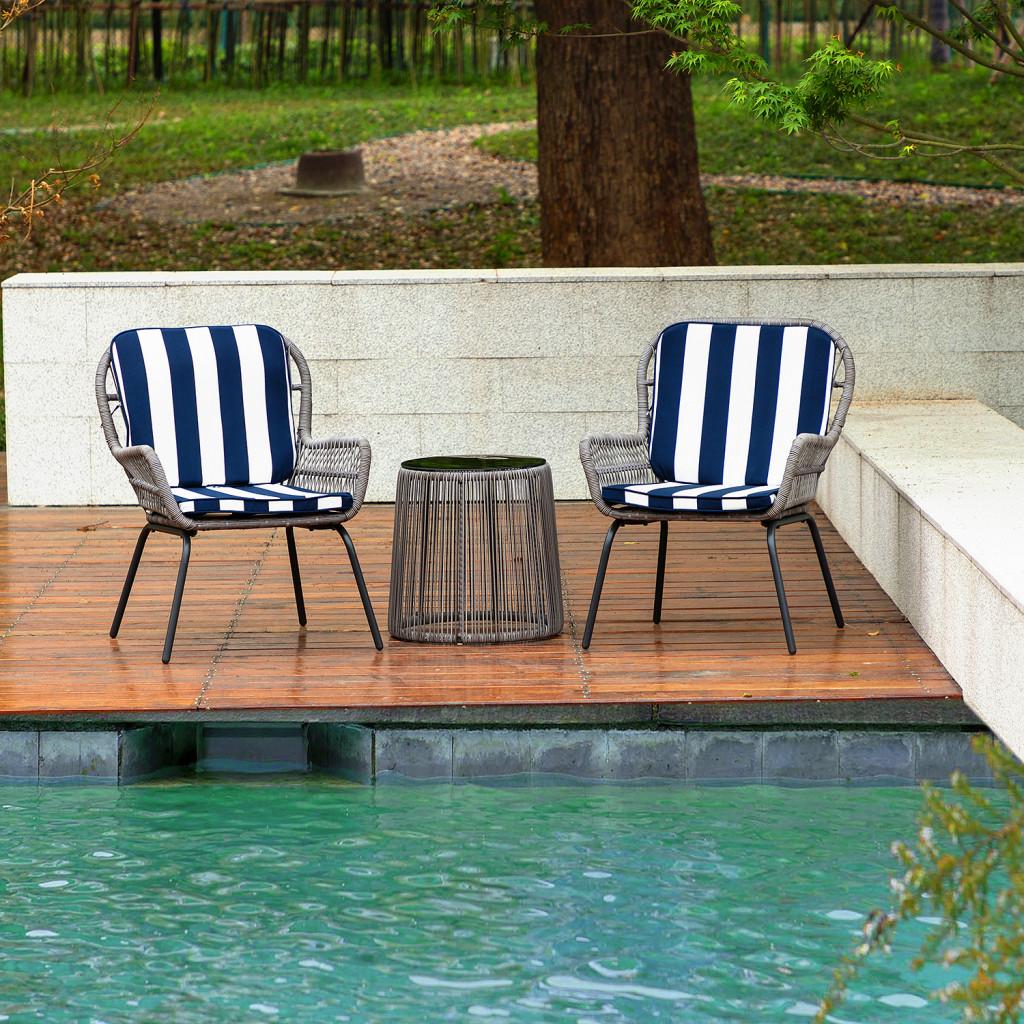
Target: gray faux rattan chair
point(212, 445)
point(736, 421)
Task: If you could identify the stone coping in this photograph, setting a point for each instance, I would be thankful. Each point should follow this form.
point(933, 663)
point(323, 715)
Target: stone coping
point(961, 466)
point(538, 275)
point(929, 496)
point(129, 754)
point(878, 713)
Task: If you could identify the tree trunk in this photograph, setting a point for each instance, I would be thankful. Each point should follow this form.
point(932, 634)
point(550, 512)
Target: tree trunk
point(618, 171)
point(938, 18)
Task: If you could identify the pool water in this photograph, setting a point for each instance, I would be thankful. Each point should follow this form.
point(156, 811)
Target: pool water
point(312, 900)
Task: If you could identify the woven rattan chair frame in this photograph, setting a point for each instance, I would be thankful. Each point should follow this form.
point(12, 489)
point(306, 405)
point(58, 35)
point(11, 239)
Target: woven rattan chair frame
point(625, 458)
point(332, 464)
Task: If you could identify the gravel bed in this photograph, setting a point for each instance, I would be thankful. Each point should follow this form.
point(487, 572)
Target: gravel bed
point(436, 170)
point(895, 193)
point(407, 174)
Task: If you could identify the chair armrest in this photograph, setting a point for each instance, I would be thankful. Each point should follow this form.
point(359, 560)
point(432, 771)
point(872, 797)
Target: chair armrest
point(806, 463)
point(614, 459)
point(333, 464)
point(146, 474)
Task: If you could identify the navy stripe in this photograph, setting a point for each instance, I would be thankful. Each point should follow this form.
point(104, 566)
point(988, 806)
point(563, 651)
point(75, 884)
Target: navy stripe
point(766, 397)
point(277, 383)
point(232, 410)
point(183, 399)
point(209, 492)
point(711, 465)
point(134, 388)
point(257, 489)
point(815, 389)
point(709, 504)
point(668, 380)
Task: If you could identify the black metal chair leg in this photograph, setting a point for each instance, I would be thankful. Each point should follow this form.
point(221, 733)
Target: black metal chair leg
point(179, 589)
point(826, 573)
point(293, 558)
point(602, 567)
point(129, 580)
point(780, 590)
point(659, 586)
point(371, 619)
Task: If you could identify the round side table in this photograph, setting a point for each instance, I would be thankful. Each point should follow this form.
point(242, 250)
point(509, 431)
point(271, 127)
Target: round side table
point(475, 553)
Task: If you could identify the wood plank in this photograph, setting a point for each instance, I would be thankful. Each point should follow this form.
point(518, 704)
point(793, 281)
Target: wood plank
point(239, 646)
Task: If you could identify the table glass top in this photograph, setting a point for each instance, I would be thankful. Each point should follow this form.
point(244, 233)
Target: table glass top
point(472, 463)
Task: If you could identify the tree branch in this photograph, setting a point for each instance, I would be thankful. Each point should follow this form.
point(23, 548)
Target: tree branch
point(861, 23)
point(1007, 21)
point(951, 41)
point(968, 16)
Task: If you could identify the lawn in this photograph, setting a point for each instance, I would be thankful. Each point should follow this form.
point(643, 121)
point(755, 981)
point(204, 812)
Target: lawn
point(206, 130)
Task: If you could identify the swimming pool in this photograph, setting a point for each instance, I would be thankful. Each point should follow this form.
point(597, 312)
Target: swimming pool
point(314, 900)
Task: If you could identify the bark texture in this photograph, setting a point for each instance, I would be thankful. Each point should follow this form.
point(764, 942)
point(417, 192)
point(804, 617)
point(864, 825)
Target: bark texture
point(617, 162)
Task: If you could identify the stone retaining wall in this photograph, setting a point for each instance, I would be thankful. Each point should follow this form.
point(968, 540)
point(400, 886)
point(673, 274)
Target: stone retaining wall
point(373, 754)
point(527, 361)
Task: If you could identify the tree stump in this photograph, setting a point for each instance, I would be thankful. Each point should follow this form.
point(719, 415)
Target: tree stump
point(328, 173)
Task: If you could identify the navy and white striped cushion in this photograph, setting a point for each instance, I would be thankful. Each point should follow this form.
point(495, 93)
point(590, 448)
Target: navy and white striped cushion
point(266, 499)
point(730, 399)
point(213, 402)
point(673, 497)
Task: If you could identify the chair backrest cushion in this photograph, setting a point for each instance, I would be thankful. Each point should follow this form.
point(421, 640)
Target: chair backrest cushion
point(729, 399)
point(213, 402)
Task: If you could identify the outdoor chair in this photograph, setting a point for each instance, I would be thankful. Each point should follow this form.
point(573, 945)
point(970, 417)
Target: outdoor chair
point(735, 422)
point(211, 445)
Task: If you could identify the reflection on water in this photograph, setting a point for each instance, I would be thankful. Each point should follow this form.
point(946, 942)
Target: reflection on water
point(315, 901)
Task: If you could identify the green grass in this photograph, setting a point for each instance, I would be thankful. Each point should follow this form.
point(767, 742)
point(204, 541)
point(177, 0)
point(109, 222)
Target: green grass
point(957, 103)
point(210, 130)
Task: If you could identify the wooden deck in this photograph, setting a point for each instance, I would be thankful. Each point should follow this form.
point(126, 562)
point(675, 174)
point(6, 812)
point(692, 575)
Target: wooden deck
point(239, 647)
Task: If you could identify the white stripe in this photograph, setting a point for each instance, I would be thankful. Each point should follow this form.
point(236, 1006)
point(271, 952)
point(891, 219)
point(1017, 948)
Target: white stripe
point(119, 384)
point(332, 502)
point(741, 405)
point(702, 489)
point(291, 399)
point(644, 488)
point(280, 506)
point(828, 387)
point(690, 424)
point(787, 409)
point(211, 428)
point(231, 506)
point(254, 402)
point(161, 402)
point(187, 506)
point(184, 492)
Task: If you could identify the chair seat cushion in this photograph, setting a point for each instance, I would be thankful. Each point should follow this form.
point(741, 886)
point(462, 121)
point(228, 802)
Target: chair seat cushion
point(669, 496)
point(258, 500)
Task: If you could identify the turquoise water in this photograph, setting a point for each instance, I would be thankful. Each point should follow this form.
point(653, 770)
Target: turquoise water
point(314, 901)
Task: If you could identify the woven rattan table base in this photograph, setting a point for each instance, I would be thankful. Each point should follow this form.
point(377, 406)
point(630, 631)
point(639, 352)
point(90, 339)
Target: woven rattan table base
point(475, 554)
